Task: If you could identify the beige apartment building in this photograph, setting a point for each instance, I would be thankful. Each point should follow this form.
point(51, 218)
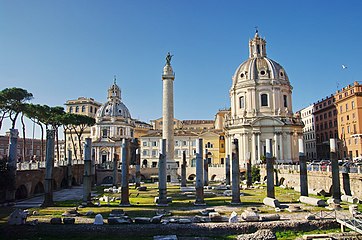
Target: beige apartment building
point(348, 102)
point(82, 106)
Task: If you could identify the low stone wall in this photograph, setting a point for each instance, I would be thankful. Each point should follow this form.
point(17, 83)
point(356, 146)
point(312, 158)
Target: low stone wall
point(316, 180)
point(133, 230)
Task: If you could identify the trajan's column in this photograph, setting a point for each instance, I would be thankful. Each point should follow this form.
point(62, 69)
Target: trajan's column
point(168, 118)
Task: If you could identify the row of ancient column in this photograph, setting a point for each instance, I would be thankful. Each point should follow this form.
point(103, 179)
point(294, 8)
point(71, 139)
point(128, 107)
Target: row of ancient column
point(282, 147)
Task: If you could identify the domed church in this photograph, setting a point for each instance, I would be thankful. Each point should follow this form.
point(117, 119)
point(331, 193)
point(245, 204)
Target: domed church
point(261, 108)
point(113, 123)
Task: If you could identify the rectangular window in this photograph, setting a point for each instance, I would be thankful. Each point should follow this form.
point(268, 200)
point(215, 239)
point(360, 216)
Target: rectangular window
point(154, 144)
point(346, 106)
point(144, 144)
point(340, 109)
point(241, 102)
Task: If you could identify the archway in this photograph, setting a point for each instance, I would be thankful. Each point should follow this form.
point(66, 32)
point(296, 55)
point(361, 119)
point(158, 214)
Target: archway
point(107, 180)
point(74, 182)
point(39, 188)
point(281, 181)
point(21, 192)
point(213, 177)
point(191, 177)
point(64, 183)
point(55, 185)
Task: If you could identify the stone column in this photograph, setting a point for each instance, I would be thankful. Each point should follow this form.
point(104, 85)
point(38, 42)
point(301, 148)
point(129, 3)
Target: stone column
point(253, 149)
point(235, 188)
point(93, 166)
point(346, 183)
point(288, 144)
point(336, 194)
point(49, 165)
point(303, 170)
point(11, 189)
point(248, 170)
point(162, 175)
point(69, 169)
point(199, 174)
point(269, 169)
point(276, 146)
point(125, 173)
point(183, 169)
point(138, 168)
point(259, 147)
point(206, 169)
point(115, 169)
point(227, 169)
point(246, 149)
point(281, 146)
point(87, 177)
point(168, 77)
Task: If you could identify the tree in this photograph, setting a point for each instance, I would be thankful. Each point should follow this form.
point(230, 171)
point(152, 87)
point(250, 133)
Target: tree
point(67, 120)
point(80, 123)
point(38, 114)
point(12, 102)
point(3, 111)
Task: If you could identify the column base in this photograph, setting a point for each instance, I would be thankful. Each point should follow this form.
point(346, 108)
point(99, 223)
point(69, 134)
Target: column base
point(199, 204)
point(125, 205)
point(162, 204)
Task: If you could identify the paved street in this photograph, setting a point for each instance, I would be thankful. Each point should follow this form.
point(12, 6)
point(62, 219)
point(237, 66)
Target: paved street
point(75, 193)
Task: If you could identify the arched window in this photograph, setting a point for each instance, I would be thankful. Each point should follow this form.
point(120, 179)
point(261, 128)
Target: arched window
point(264, 100)
point(104, 133)
point(77, 109)
point(285, 97)
point(91, 109)
point(83, 108)
point(70, 109)
point(241, 102)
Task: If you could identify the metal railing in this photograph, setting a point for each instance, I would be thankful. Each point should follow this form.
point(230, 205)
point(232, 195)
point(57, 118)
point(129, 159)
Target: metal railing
point(352, 222)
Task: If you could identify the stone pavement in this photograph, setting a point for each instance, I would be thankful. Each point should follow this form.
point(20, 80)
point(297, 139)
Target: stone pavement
point(75, 193)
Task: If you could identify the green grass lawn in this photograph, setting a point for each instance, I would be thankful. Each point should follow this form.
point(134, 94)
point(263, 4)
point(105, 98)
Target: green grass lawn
point(142, 205)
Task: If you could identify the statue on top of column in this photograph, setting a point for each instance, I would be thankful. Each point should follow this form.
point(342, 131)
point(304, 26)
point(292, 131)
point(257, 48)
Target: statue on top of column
point(168, 58)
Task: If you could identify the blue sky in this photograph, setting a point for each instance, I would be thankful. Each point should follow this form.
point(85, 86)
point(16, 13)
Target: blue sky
point(61, 50)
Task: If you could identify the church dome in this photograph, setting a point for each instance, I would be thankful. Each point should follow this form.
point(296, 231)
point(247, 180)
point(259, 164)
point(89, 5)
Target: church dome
point(114, 107)
point(259, 67)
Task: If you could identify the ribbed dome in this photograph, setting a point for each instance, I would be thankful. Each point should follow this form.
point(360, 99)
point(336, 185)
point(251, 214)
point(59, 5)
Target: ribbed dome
point(114, 107)
point(259, 66)
point(258, 69)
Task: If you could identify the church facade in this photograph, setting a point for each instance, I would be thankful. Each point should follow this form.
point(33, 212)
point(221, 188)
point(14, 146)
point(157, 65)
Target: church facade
point(261, 108)
point(113, 124)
